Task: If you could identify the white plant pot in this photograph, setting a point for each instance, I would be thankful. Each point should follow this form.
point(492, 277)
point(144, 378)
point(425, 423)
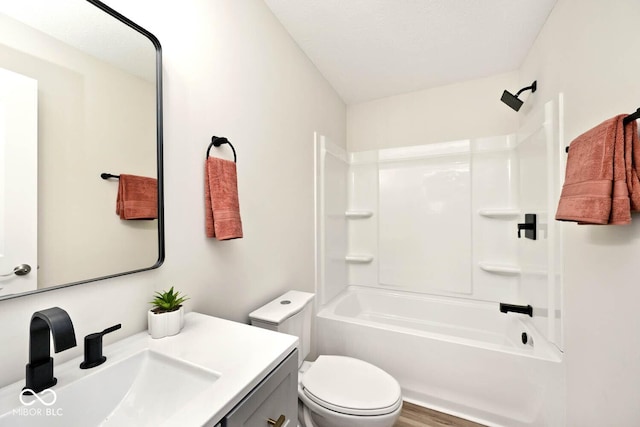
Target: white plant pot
point(165, 324)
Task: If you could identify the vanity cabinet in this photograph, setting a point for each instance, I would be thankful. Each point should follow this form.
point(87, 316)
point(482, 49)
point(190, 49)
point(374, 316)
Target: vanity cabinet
point(274, 402)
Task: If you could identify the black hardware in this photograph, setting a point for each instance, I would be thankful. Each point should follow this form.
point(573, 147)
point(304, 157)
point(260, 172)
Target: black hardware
point(529, 227)
point(522, 309)
point(525, 338)
point(631, 117)
point(39, 370)
point(93, 348)
point(217, 141)
point(105, 175)
point(512, 100)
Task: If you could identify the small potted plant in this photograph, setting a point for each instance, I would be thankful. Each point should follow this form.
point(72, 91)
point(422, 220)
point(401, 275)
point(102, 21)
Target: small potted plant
point(167, 315)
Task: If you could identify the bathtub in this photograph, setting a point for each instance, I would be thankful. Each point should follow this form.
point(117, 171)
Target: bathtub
point(457, 356)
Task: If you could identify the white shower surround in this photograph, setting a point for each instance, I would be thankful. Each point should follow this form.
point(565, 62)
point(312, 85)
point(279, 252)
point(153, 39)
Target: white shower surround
point(446, 212)
point(424, 226)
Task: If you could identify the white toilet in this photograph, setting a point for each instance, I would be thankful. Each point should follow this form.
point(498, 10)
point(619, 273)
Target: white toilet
point(333, 391)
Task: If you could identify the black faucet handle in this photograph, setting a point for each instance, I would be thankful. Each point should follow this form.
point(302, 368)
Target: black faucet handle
point(529, 226)
point(93, 348)
point(524, 226)
point(111, 329)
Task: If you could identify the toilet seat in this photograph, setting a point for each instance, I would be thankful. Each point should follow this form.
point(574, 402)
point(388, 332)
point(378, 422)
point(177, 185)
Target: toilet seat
point(351, 386)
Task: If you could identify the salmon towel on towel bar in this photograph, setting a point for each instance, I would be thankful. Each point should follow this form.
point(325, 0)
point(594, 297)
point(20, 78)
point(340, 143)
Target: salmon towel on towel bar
point(222, 208)
point(601, 181)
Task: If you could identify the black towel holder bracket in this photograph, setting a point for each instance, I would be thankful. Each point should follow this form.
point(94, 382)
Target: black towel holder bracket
point(631, 117)
point(217, 141)
point(105, 175)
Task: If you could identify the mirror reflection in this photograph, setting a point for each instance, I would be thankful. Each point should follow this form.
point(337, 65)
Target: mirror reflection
point(78, 98)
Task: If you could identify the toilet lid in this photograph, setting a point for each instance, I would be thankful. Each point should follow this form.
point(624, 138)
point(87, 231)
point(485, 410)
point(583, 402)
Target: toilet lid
point(351, 386)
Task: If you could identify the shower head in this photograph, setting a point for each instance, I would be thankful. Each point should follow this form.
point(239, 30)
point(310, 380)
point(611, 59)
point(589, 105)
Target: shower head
point(512, 100)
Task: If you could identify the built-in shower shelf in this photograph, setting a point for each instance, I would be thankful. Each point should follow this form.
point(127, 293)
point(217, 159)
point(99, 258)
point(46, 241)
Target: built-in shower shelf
point(512, 270)
point(358, 214)
point(359, 259)
point(499, 213)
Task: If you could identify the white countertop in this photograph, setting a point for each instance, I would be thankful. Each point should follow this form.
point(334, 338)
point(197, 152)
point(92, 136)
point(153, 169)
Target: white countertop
point(241, 355)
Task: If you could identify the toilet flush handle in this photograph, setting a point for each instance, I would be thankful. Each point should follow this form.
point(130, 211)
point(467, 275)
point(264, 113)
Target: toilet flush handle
point(277, 423)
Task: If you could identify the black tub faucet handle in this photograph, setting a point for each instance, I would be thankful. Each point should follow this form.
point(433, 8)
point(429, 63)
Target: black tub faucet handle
point(529, 226)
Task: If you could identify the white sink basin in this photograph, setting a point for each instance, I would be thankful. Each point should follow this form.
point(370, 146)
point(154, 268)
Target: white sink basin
point(194, 378)
point(144, 388)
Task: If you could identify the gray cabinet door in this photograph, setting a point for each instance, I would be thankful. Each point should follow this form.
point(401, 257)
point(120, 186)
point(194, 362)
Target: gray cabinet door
point(275, 396)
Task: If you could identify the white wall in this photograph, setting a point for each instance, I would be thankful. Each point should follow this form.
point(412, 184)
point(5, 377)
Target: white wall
point(587, 50)
point(446, 113)
point(230, 69)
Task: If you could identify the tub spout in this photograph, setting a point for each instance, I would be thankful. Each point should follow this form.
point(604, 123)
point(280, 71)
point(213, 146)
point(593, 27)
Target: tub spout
point(523, 309)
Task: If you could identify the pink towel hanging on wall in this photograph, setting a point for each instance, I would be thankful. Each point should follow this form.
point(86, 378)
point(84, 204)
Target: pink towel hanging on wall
point(601, 183)
point(222, 207)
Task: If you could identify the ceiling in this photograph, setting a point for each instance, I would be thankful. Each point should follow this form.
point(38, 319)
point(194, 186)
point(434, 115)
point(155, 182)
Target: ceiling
point(369, 49)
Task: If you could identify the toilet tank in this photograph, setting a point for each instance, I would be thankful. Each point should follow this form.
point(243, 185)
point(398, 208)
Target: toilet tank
point(289, 314)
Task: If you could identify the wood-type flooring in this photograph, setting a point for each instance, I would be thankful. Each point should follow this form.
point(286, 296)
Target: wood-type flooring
point(417, 416)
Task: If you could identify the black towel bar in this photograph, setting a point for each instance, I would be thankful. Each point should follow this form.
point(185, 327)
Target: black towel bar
point(217, 141)
point(105, 175)
point(631, 117)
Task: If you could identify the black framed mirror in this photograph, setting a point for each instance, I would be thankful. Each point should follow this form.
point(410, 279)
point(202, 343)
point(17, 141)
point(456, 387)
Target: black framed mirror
point(80, 96)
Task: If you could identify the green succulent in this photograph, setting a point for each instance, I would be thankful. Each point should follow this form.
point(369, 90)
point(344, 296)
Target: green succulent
point(167, 301)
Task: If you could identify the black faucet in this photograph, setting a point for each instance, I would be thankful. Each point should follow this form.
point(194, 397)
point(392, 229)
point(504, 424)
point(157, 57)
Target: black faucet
point(40, 367)
point(523, 309)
